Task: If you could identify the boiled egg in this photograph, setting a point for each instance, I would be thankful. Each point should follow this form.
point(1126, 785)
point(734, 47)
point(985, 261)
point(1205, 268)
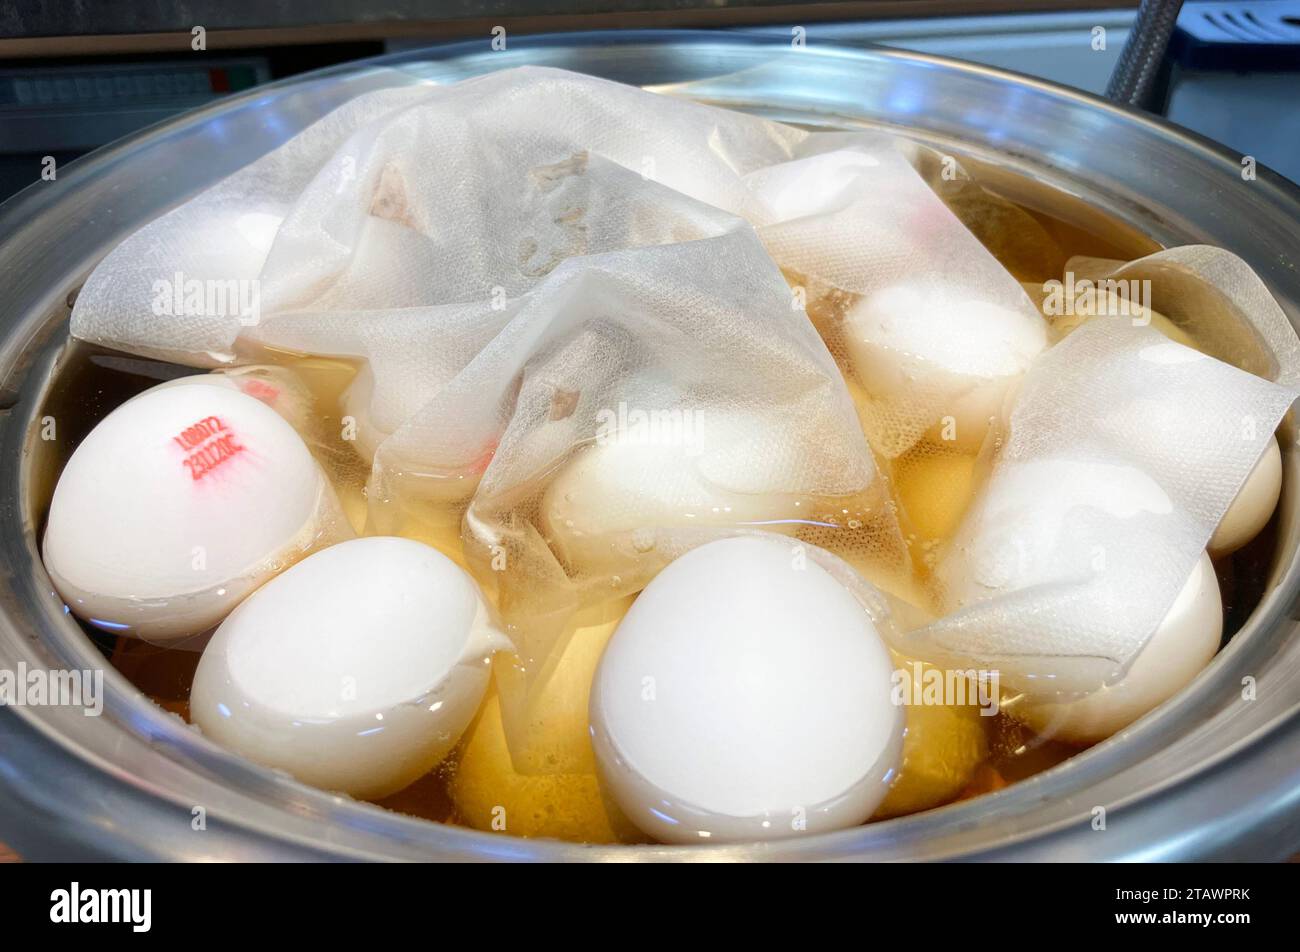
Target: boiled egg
point(1181, 425)
point(279, 388)
point(371, 422)
point(1140, 316)
point(934, 486)
point(1056, 535)
point(370, 426)
point(745, 696)
point(813, 185)
point(1253, 505)
point(542, 780)
point(1028, 527)
point(1184, 643)
point(179, 504)
point(943, 745)
point(492, 794)
point(356, 670)
point(953, 358)
point(610, 503)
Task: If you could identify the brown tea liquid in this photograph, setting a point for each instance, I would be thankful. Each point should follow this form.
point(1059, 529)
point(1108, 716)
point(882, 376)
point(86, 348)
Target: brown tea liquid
point(1032, 236)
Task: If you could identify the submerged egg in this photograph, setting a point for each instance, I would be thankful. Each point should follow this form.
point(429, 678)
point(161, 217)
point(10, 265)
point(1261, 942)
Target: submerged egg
point(368, 433)
point(374, 423)
point(278, 388)
point(745, 696)
point(612, 499)
point(543, 782)
point(945, 740)
point(1051, 526)
point(923, 345)
point(1253, 505)
point(356, 670)
point(1184, 643)
point(934, 488)
point(177, 505)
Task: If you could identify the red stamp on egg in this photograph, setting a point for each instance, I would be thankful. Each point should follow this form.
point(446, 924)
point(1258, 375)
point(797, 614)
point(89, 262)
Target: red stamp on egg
point(208, 444)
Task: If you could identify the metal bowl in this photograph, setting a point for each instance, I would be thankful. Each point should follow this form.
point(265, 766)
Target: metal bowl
point(1209, 775)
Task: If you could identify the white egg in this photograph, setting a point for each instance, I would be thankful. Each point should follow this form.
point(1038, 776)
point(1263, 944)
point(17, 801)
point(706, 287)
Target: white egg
point(1037, 520)
point(277, 387)
point(356, 670)
point(369, 427)
point(814, 185)
point(177, 505)
point(611, 500)
point(927, 346)
point(1185, 642)
point(1253, 505)
point(1181, 427)
point(745, 696)
point(369, 423)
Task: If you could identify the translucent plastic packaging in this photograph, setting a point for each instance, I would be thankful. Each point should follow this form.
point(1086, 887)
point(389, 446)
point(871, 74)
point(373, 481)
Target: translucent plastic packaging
point(1123, 450)
point(533, 265)
point(594, 326)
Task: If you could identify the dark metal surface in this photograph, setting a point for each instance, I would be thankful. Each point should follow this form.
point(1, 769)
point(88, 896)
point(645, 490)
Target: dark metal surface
point(158, 16)
point(1138, 69)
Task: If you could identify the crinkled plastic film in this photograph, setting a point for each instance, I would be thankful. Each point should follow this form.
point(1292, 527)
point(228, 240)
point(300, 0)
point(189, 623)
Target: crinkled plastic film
point(585, 327)
point(1123, 450)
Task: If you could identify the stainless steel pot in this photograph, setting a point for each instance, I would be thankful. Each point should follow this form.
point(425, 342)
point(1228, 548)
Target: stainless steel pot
point(1208, 775)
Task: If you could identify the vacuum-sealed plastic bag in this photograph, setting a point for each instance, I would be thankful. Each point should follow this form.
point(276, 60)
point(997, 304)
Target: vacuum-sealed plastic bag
point(588, 327)
point(566, 303)
point(1124, 450)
